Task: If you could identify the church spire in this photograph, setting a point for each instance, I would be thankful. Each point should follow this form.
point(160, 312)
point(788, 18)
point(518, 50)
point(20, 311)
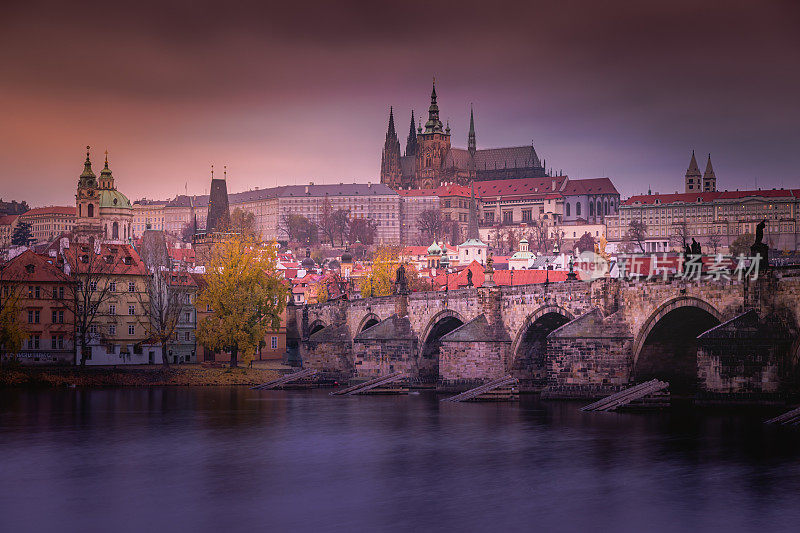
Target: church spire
point(693, 176)
point(106, 179)
point(87, 166)
point(390, 157)
point(471, 144)
point(411, 142)
point(434, 124)
point(709, 178)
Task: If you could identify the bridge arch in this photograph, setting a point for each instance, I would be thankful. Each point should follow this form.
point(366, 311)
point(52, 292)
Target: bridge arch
point(528, 349)
point(666, 346)
point(316, 326)
point(369, 320)
point(438, 326)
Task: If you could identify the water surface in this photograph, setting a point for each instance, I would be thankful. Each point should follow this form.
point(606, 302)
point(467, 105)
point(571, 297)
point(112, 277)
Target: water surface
point(231, 459)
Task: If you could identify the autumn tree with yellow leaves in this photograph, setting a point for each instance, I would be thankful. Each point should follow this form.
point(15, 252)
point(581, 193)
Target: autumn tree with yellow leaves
point(380, 280)
point(246, 296)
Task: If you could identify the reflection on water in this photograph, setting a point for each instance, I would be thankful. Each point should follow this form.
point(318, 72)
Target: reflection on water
point(219, 459)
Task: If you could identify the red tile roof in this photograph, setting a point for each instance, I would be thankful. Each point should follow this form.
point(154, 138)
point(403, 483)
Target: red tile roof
point(99, 264)
point(7, 220)
point(691, 197)
point(540, 187)
point(589, 186)
point(51, 210)
point(43, 272)
point(501, 277)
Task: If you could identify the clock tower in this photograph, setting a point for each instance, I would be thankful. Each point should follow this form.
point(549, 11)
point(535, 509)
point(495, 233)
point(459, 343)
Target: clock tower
point(87, 201)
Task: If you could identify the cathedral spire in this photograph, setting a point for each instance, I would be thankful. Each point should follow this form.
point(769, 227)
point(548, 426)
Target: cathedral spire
point(472, 226)
point(411, 142)
point(471, 144)
point(434, 124)
point(390, 157)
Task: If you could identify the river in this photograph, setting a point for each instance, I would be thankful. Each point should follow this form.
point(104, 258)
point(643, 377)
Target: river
point(231, 459)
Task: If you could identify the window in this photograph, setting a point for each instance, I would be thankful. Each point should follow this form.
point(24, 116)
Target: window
point(274, 342)
point(112, 286)
point(186, 336)
point(131, 310)
point(567, 208)
point(527, 215)
point(131, 329)
point(93, 329)
point(30, 291)
point(577, 209)
point(33, 316)
point(131, 286)
point(33, 342)
point(112, 309)
point(112, 329)
point(187, 317)
point(92, 286)
point(508, 217)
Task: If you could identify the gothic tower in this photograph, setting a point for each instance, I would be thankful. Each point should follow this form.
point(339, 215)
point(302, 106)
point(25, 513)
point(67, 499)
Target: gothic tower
point(693, 176)
point(471, 144)
point(218, 208)
point(709, 178)
point(391, 172)
point(433, 146)
point(87, 201)
point(411, 142)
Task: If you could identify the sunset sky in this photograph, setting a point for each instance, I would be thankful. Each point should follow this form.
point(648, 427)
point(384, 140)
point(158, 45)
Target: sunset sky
point(300, 91)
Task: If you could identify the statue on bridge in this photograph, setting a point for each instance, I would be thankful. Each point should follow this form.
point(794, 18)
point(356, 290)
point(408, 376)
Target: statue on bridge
point(759, 249)
point(469, 278)
point(401, 281)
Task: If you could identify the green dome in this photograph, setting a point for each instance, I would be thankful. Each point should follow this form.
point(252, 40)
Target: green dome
point(434, 249)
point(114, 199)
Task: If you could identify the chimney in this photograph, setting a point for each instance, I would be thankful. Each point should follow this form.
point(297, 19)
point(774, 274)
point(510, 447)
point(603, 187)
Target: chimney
point(553, 185)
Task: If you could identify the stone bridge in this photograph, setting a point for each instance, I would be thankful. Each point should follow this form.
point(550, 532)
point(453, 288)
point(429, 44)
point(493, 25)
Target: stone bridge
point(569, 339)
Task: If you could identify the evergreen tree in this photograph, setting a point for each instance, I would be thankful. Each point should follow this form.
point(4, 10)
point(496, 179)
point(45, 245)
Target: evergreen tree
point(22, 234)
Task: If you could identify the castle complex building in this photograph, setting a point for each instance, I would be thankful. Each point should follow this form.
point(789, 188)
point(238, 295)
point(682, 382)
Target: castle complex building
point(430, 160)
point(713, 218)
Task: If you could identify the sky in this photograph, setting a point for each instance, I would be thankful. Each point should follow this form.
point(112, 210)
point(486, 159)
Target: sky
point(293, 92)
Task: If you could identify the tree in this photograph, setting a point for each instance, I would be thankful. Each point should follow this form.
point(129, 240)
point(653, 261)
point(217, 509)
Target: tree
point(585, 243)
point(430, 224)
point(714, 241)
point(340, 222)
point(298, 228)
point(636, 235)
point(741, 245)
point(11, 333)
point(94, 266)
point(165, 296)
point(538, 236)
point(380, 281)
point(22, 234)
point(242, 222)
point(326, 224)
point(364, 230)
point(187, 232)
point(680, 235)
point(246, 296)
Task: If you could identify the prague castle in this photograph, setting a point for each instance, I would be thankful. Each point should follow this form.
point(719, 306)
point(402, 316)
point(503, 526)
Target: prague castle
point(430, 160)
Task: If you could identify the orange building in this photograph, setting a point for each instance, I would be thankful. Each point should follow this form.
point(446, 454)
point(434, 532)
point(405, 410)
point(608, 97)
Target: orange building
point(40, 288)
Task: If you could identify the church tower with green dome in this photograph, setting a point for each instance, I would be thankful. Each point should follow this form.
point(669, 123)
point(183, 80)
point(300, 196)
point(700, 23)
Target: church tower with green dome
point(103, 211)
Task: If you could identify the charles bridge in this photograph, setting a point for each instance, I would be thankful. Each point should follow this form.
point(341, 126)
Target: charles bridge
point(717, 339)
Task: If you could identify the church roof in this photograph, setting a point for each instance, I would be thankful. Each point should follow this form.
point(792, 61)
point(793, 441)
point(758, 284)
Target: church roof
point(511, 157)
point(589, 186)
point(520, 186)
point(112, 198)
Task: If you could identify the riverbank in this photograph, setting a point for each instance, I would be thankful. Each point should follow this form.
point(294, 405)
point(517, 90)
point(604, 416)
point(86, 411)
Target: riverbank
point(139, 376)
